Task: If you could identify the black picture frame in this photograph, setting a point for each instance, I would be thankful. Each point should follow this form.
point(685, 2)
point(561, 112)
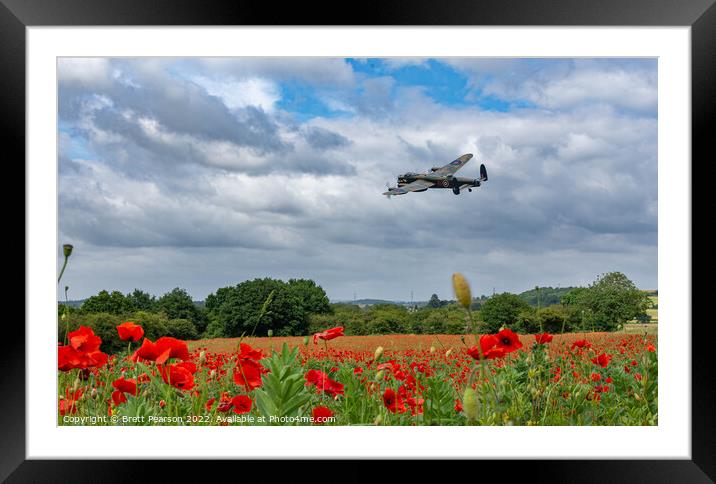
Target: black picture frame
point(700, 15)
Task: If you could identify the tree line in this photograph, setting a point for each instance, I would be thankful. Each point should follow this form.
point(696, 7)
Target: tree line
point(605, 305)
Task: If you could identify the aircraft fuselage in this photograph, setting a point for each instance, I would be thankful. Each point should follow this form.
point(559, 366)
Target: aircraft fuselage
point(441, 181)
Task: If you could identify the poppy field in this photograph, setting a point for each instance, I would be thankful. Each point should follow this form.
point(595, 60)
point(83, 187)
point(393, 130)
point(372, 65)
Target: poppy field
point(332, 379)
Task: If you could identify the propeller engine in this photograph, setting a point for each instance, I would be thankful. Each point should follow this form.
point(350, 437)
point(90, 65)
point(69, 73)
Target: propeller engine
point(455, 186)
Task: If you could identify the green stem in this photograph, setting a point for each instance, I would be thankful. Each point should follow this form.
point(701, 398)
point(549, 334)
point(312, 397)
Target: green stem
point(63, 270)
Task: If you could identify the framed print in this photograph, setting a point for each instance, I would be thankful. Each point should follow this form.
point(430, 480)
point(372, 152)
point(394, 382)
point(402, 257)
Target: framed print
point(422, 236)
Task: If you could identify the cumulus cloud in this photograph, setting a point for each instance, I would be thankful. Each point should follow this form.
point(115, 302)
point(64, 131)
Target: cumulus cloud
point(200, 183)
point(566, 84)
point(242, 93)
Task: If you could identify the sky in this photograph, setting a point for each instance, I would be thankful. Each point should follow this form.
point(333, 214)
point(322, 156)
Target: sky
point(201, 173)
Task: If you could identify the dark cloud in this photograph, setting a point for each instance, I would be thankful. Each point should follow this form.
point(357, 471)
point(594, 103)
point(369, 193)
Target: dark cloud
point(322, 139)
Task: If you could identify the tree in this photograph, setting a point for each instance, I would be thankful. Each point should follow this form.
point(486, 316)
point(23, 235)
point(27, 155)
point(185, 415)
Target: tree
point(312, 296)
point(254, 307)
point(614, 300)
point(553, 319)
point(178, 304)
point(609, 302)
point(141, 301)
point(434, 301)
point(527, 321)
point(502, 310)
point(181, 329)
point(575, 296)
point(104, 302)
point(387, 318)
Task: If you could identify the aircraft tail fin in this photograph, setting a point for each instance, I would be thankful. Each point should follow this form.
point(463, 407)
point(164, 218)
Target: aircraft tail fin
point(483, 173)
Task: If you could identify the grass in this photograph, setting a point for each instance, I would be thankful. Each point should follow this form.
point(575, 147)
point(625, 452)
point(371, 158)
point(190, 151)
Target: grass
point(638, 328)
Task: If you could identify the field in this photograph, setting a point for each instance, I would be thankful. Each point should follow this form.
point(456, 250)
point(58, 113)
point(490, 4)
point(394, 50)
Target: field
point(641, 328)
point(332, 379)
point(399, 342)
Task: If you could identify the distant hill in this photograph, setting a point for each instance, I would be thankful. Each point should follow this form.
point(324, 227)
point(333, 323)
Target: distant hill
point(373, 302)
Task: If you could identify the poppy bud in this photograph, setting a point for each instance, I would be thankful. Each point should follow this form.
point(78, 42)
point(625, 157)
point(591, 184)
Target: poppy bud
point(305, 340)
point(447, 353)
point(202, 357)
point(462, 290)
point(93, 393)
point(67, 250)
point(270, 333)
point(64, 316)
point(378, 353)
point(379, 375)
point(76, 384)
point(378, 420)
point(432, 349)
point(469, 404)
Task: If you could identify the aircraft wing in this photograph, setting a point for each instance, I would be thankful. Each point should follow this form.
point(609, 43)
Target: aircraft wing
point(454, 166)
point(417, 185)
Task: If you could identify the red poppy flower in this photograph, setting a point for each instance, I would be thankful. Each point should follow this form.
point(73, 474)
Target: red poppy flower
point(602, 360)
point(323, 383)
point(248, 352)
point(328, 334)
point(241, 404)
point(177, 375)
point(458, 405)
point(69, 358)
point(543, 338)
point(393, 402)
point(582, 343)
point(508, 341)
point(126, 385)
point(415, 404)
point(69, 403)
point(489, 343)
point(321, 415)
point(165, 347)
point(118, 397)
point(248, 373)
point(84, 340)
point(130, 331)
point(224, 406)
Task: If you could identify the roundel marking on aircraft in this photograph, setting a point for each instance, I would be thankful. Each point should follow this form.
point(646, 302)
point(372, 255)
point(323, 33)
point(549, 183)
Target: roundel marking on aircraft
point(446, 183)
